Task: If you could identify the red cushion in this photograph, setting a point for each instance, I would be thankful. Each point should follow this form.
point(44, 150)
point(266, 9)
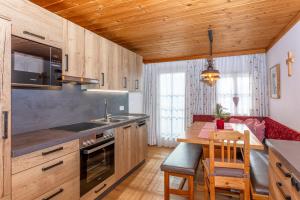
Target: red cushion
point(235, 120)
point(259, 130)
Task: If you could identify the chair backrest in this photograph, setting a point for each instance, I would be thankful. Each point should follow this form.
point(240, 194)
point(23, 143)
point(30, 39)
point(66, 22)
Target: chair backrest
point(232, 141)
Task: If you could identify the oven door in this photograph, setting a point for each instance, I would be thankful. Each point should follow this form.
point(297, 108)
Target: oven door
point(97, 164)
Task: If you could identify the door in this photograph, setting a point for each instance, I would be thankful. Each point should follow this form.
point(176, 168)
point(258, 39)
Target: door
point(92, 55)
point(5, 109)
point(74, 49)
point(142, 141)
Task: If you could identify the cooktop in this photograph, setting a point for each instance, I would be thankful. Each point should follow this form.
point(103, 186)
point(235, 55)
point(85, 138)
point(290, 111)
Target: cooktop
point(83, 126)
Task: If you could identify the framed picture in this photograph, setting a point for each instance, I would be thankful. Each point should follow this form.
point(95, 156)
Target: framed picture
point(275, 82)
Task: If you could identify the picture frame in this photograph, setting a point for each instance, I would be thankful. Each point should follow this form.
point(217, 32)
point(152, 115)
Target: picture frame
point(275, 82)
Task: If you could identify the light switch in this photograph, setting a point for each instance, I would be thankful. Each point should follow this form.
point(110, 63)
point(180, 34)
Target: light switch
point(121, 108)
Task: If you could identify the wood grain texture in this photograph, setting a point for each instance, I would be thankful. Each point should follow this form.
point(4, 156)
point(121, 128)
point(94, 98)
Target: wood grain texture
point(160, 29)
point(5, 106)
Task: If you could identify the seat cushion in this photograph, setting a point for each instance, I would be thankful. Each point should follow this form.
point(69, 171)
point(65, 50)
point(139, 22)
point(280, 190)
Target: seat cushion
point(183, 160)
point(259, 171)
point(228, 172)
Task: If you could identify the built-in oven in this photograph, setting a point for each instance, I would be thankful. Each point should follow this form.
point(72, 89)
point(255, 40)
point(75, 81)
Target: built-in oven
point(35, 65)
point(96, 159)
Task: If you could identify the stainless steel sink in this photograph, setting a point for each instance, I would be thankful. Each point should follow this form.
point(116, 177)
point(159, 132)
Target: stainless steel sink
point(107, 121)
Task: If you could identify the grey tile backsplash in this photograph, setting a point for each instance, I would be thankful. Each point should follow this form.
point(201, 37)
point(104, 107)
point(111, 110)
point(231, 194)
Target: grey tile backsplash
point(38, 109)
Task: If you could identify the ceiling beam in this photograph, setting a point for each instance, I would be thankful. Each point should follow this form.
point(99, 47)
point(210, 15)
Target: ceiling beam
point(215, 55)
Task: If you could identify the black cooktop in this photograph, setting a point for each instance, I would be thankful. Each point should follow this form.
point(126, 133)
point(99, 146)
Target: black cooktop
point(83, 126)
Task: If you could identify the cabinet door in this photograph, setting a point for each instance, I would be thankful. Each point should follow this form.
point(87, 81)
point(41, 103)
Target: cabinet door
point(142, 141)
point(105, 48)
point(33, 22)
point(125, 84)
point(139, 73)
point(119, 153)
point(92, 55)
point(5, 109)
point(74, 49)
point(114, 66)
point(132, 71)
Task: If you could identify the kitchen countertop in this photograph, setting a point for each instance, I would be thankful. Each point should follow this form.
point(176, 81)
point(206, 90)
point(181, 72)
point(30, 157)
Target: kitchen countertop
point(36, 140)
point(288, 152)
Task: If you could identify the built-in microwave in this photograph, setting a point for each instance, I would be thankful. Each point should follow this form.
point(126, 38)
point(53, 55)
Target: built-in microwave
point(35, 65)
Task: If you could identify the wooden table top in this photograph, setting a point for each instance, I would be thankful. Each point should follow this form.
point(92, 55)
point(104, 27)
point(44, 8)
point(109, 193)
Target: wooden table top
point(192, 135)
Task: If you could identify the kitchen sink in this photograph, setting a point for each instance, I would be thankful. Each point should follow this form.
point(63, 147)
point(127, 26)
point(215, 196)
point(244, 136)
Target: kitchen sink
point(107, 121)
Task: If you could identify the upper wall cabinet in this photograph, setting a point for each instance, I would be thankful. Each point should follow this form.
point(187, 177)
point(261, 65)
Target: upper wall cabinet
point(74, 48)
point(105, 54)
point(33, 22)
point(138, 86)
point(115, 67)
point(92, 56)
point(5, 109)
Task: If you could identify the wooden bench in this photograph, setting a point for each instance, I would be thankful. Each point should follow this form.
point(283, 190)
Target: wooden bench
point(182, 162)
point(259, 162)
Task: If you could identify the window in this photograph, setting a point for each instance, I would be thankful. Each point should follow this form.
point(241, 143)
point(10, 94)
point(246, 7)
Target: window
point(172, 104)
point(234, 93)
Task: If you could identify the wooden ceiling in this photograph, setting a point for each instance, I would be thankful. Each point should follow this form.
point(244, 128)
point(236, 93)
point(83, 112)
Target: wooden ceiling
point(162, 30)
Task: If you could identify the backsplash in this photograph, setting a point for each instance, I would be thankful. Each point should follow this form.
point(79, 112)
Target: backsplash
point(39, 109)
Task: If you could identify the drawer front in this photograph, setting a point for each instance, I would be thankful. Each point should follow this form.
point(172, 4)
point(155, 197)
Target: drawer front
point(36, 158)
point(99, 189)
point(67, 191)
point(33, 22)
point(278, 189)
point(38, 180)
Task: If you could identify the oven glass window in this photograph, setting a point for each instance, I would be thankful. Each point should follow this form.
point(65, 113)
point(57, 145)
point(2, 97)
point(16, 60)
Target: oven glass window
point(96, 166)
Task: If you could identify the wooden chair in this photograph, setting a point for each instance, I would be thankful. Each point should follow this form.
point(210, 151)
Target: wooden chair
point(228, 172)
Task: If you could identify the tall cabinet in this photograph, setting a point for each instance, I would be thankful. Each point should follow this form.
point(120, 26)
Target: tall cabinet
point(5, 109)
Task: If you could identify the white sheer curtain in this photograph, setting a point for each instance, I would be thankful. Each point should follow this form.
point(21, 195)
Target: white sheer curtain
point(245, 77)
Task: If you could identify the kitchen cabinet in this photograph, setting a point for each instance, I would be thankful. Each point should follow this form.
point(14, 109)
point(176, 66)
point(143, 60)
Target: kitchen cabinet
point(33, 22)
point(138, 84)
point(74, 49)
point(5, 109)
point(46, 172)
point(130, 148)
point(114, 66)
point(125, 67)
point(105, 48)
point(92, 55)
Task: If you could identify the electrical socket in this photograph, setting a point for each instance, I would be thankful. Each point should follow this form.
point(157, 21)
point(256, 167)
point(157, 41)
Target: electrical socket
point(121, 108)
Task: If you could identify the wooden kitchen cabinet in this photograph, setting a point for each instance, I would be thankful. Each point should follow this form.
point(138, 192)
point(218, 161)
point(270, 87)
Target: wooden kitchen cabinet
point(74, 49)
point(33, 22)
point(105, 53)
point(138, 84)
point(114, 66)
point(92, 55)
point(125, 67)
point(5, 109)
point(142, 138)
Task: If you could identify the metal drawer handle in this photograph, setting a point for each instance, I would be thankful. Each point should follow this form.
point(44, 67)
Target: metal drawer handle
point(286, 174)
point(142, 124)
point(34, 35)
point(52, 151)
point(286, 196)
point(96, 191)
point(102, 74)
point(295, 184)
point(67, 62)
point(87, 152)
point(126, 127)
point(125, 82)
point(51, 166)
point(136, 84)
point(55, 194)
point(5, 124)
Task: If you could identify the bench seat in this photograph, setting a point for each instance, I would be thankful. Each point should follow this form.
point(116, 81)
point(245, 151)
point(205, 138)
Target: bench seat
point(259, 163)
point(183, 160)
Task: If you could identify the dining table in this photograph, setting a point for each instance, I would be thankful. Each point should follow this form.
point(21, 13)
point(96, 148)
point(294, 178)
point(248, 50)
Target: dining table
point(199, 132)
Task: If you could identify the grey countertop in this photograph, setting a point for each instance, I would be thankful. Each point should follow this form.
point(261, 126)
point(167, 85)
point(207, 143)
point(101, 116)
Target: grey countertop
point(288, 152)
point(32, 141)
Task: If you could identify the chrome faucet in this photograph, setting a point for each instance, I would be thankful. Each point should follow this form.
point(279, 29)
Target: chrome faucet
point(107, 116)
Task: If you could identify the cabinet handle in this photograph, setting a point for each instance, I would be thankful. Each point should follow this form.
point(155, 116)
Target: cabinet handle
point(55, 194)
point(52, 151)
point(125, 82)
point(126, 127)
point(51, 166)
point(286, 174)
point(96, 191)
point(34, 35)
point(295, 183)
point(136, 84)
point(286, 196)
point(67, 62)
point(102, 74)
point(5, 124)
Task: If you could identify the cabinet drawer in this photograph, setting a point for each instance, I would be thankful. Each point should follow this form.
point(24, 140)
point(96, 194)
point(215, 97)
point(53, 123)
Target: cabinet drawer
point(38, 180)
point(99, 189)
point(36, 158)
point(67, 191)
point(276, 190)
point(33, 22)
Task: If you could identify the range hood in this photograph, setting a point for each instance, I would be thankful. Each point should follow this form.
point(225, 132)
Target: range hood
point(78, 80)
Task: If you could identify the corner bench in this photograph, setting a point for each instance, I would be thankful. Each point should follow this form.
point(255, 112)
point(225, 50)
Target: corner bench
point(259, 163)
point(182, 162)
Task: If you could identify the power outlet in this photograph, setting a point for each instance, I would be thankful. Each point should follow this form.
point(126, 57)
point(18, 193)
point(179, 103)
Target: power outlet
point(122, 108)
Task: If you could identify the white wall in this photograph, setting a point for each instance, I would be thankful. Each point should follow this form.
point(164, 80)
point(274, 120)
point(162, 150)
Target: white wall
point(135, 102)
point(286, 110)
